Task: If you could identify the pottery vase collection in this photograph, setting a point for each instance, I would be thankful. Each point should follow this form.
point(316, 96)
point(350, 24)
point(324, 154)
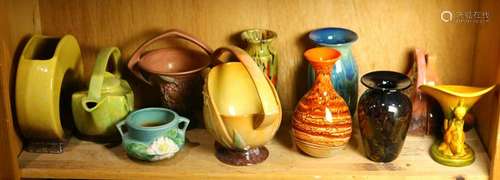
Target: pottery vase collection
point(260, 49)
point(176, 71)
point(456, 101)
point(344, 74)
point(50, 70)
point(321, 121)
point(242, 110)
point(108, 100)
point(153, 134)
point(237, 101)
point(384, 114)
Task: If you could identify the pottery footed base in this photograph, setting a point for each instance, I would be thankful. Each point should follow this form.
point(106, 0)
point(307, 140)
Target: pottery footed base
point(316, 150)
point(455, 161)
point(241, 158)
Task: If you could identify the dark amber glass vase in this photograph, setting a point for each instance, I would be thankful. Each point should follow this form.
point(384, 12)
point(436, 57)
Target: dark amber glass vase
point(384, 114)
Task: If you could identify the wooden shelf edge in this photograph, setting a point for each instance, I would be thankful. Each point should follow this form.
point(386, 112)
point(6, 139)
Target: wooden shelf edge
point(83, 159)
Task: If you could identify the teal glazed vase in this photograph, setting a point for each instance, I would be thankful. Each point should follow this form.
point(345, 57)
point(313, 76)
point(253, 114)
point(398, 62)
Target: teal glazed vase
point(153, 134)
point(344, 74)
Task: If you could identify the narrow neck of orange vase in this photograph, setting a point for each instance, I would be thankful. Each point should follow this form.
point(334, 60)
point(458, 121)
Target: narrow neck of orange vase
point(322, 68)
point(322, 71)
point(322, 60)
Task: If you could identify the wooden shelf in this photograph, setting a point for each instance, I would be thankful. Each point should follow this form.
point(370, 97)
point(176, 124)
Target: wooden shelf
point(83, 159)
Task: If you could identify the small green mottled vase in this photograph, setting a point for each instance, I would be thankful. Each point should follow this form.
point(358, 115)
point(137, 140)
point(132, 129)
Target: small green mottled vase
point(259, 48)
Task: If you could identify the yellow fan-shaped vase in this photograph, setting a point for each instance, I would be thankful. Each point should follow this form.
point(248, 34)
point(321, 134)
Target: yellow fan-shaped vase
point(455, 102)
point(50, 70)
point(241, 108)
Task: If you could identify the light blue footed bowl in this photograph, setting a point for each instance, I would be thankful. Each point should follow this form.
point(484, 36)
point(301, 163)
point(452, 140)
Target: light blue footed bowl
point(344, 75)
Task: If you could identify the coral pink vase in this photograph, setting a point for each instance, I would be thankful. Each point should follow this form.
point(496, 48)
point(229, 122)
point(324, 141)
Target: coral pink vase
point(427, 115)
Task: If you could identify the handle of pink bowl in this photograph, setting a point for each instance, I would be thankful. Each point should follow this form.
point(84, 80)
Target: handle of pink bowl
point(136, 57)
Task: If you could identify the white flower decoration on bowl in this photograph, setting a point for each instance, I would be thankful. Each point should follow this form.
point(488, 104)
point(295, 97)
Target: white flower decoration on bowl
point(161, 148)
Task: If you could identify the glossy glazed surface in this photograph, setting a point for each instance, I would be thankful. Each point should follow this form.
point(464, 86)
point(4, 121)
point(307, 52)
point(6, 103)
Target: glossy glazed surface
point(260, 49)
point(344, 74)
point(426, 114)
point(384, 115)
point(241, 158)
point(49, 71)
point(153, 133)
point(108, 100)
point(455, 102)
point(321, 121)
point(241, 106)
point(176, 71)
point(333, 36)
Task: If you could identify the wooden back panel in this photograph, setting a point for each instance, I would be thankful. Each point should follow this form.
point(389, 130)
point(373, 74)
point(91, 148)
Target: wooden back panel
point(387, 31)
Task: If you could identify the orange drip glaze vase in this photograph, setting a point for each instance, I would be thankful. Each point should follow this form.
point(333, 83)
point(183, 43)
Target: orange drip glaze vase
point(321, 121)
